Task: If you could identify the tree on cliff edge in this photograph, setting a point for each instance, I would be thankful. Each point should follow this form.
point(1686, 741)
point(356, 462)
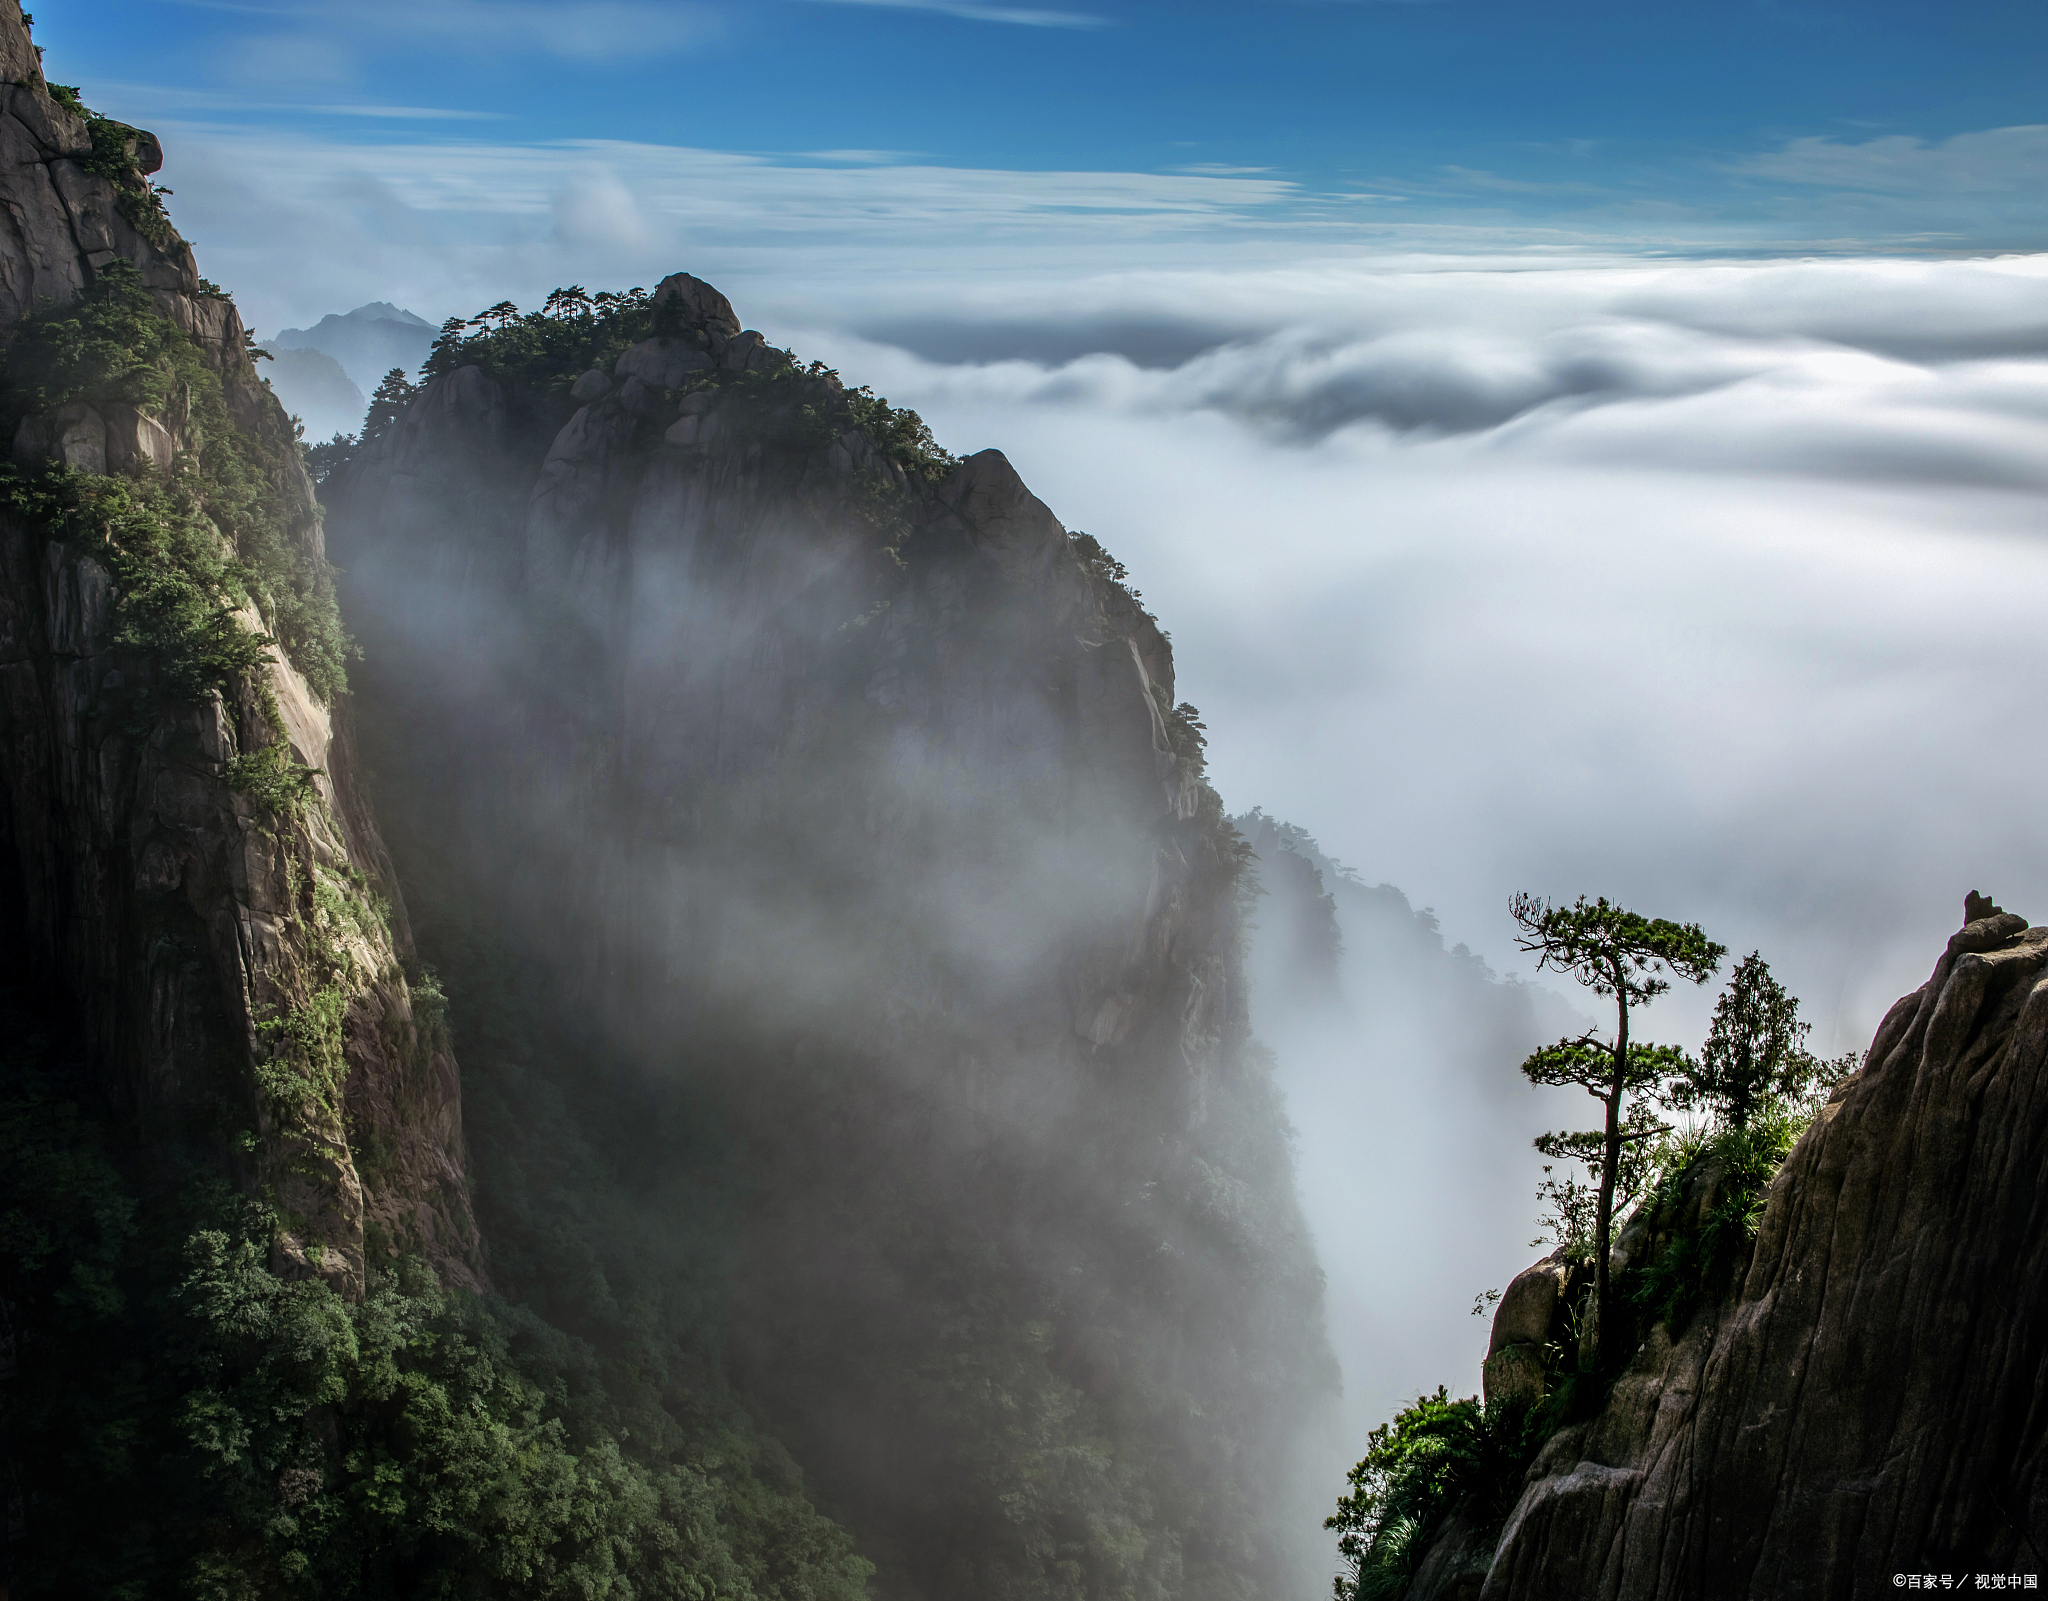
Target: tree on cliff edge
point(1620, 954)
point(1755, 1050)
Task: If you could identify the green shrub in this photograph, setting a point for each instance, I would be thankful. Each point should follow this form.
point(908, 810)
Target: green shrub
point(784, 404)
point(900, 435)
point(186, 1422)
point(1436, 1458)
point(547, 349)
point(111, 346)
point(1699, 1261)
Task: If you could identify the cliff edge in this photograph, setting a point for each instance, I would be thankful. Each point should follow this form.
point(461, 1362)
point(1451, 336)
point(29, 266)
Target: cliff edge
point(822, 787)
point(1872, 1400)
point(187, 862)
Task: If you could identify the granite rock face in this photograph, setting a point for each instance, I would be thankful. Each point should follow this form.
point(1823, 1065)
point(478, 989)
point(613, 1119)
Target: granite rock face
point(1870, 1400)
point(176, 917)
point(745, 728)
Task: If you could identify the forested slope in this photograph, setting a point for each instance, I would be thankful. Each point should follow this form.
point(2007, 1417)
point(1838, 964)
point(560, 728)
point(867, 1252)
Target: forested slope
point(813, 838)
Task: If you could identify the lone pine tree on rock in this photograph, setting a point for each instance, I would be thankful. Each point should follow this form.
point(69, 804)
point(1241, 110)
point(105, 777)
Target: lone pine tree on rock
point(1755, 1049)
point(1624, 955)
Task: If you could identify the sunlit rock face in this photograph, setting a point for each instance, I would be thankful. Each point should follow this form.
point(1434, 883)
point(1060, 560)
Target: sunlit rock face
point(173, 913)
point(846, 781)
point(1866, 1403)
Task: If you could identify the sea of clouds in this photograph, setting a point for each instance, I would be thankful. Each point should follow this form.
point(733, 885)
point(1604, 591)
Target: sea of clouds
point(1711, 586)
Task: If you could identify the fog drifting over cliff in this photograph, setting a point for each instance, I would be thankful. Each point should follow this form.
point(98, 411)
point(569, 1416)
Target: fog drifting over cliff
point(1711, 587)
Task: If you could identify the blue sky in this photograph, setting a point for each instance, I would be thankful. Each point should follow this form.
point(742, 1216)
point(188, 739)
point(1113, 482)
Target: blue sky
point(1739, 126)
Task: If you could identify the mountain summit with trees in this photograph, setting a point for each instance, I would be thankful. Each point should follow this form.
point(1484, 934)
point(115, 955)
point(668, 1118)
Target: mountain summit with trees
point(1820, 1308)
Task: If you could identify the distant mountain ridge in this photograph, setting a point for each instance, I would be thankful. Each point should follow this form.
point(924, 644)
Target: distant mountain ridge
point(312, 386)
point(368, 342)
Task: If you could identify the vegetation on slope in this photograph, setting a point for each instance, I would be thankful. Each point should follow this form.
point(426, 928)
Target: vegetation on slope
point(1697, 1195)
point(180, 1420)
point(1056, 1360)
point(192, 544)
point(539, 355)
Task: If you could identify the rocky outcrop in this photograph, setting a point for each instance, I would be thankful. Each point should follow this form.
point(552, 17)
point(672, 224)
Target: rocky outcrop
point(1869, 1402)
point(840, 773)
point(201, 935)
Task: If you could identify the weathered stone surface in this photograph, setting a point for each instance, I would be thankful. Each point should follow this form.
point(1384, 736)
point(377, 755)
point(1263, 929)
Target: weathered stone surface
point(1528, 1305)
point(1513, 1373)
point(136, 441)
point(695, 429)
point(1869, 1401)
point(593, 385)
point(1455, 1566)
point(661, 363)
point(694, 304)
point(136, 882)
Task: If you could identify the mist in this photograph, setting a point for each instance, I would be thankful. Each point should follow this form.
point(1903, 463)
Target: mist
point(1706, 587)
point(824, 810)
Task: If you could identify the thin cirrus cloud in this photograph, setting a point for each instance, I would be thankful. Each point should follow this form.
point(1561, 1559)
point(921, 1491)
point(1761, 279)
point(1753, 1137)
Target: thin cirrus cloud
point(184, 101)
point(1988, 161)
point(328, 42)
point(974, 11)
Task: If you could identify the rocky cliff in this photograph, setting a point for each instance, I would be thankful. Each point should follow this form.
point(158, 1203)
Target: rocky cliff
point(830, 787)
point(1867, 1401)
point(231, 950)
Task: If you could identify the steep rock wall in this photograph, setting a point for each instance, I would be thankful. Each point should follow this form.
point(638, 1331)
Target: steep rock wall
point(1870, 1401)
point(772, 745)
point(185, 923)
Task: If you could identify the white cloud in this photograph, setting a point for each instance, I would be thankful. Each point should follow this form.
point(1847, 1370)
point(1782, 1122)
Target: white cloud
point(1675, 582)
point(1993, 160)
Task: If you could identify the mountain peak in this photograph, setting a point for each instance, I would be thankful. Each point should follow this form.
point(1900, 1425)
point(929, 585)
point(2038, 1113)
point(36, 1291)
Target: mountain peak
point(384, 311)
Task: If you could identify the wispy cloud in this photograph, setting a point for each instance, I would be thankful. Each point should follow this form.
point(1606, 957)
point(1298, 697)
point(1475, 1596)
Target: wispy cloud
point(397, 113)
point(147, 99)
point(1989, 161)
point(863, 158)
point(975, 11)
point(580, 30)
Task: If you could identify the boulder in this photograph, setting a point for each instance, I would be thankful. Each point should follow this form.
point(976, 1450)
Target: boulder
point(661, 363)
point(1513, 1373)
point(695, 429)
point(137, 441)
point(1528, 1305)
point(747, 352)
point(593, 385)
point(72, 436)
point(142, 150)
point(690, 303)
